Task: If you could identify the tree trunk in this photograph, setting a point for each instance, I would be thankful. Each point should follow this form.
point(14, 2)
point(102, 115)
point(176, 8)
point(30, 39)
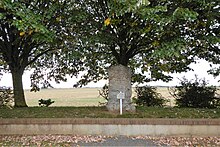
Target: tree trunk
point(120, 81)
point(18, 88)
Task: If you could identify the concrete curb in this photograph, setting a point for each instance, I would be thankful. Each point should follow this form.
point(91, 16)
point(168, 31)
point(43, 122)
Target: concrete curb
point(111, 121)
point(111, 126)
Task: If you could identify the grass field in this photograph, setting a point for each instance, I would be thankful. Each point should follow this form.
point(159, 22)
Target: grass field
point(81, 96)
point(66, 96)
point(73, 103)
point(76, 96)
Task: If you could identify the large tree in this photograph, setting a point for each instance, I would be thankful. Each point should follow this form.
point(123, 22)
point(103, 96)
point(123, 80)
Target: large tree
point(120, 32)
point(32, 35)
point(155, 37)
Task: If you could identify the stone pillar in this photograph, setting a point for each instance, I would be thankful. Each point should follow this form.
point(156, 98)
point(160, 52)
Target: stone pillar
point(119, 80)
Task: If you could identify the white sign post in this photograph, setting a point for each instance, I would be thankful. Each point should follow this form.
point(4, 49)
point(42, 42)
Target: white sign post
point(120, 96)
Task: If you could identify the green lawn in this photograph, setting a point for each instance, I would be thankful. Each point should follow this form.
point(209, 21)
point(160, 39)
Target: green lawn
point(101, 112)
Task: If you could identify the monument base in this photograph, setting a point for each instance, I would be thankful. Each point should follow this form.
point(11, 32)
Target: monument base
point(115, 107)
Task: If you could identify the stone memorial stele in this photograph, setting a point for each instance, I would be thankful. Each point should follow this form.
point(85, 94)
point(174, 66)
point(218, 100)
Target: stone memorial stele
point(119, 80)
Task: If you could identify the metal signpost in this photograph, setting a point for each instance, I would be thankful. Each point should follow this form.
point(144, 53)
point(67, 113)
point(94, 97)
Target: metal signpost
point(120, 96)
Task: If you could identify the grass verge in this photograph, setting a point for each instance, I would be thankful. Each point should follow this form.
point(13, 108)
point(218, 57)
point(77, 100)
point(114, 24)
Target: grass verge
point(102, 112)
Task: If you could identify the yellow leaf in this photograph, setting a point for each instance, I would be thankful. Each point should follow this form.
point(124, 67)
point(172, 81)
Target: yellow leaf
point(107, 21)
point(147, 29)
point(134, 24)
point(22, 33)
point(30, 32)
point(58, 19)
point(203, 24)
point(155, 43)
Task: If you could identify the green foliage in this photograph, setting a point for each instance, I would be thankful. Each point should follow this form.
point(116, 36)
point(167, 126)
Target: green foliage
point(195, 94)
point(28, 20)
point(6, 97)
point(155, 37)
point(147, 96)
point(33, 25)
point(185, 14)
point(34, 35)
point(45, 103)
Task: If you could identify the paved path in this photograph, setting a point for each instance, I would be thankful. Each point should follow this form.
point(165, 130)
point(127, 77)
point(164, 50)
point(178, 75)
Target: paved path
point(121, 141)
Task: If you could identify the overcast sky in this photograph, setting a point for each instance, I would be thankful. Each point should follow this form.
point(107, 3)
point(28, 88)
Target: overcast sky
point(200, 69)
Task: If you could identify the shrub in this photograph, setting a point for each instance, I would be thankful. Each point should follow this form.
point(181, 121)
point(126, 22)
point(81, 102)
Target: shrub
point(147, 96)
point(195, 94)
point(45, 103)
point(104, 92)
point(6, 97)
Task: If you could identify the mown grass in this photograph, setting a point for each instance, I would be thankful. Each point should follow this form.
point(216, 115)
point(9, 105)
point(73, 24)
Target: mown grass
point(102, 112)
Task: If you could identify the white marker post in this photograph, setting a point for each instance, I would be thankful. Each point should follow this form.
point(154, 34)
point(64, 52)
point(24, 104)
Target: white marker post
point(120, 96)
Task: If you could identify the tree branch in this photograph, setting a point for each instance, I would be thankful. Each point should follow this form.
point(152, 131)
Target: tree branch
point(37, 56)
point(114, 52)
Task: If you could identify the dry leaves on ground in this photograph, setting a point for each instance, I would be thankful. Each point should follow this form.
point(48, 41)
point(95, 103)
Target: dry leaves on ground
point(47, 140)
point(73, 140)
point(183, 141)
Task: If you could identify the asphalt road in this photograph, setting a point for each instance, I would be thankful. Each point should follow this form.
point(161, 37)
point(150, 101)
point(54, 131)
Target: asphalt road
point(120, 141)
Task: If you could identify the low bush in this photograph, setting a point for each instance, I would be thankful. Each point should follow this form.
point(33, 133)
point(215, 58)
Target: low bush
point(195, 94)
point(104, 94)
point(6, 97)
point(45, 103)
point(147, 96)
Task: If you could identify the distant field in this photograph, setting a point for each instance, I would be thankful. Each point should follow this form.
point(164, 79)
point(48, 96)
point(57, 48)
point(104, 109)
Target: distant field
point(75, 96)
point(66, 96)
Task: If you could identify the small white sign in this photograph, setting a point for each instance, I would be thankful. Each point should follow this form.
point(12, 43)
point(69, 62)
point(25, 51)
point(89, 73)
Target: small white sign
point(121, 95)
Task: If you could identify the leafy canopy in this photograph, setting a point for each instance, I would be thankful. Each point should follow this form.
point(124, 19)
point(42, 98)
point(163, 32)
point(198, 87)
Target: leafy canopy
point(151, 37)
point(33, 35)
